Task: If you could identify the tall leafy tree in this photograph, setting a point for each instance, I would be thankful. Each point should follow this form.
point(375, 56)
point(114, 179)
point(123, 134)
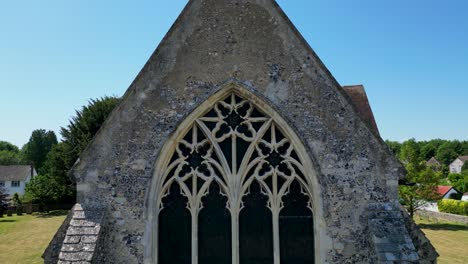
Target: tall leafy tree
point(449, 151)
point(9, 158)
point(7, 146)
point(394, 147)
point(44, 189)
point(75, 137)
point(465, 166)
point(417, 195)
point(464, 148)
point(86, 123)
point(9, 154)
point(409, 152)
point(429, 150)
point(39, 145)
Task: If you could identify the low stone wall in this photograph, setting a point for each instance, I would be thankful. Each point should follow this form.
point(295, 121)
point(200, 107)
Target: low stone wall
point(443, 216)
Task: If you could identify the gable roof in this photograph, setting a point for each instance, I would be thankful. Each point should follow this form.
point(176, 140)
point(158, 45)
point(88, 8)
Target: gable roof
point(358, 96)
point(463, 158)
point(251, 41)
point(15, 172)
point(433, 161)
point(443, 190)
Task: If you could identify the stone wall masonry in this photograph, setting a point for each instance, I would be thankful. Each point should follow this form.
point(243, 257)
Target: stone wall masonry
point(79, 244)
point(443, 216)
point(392, 242)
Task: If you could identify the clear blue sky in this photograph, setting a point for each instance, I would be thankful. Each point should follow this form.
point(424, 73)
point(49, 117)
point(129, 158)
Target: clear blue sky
point(412, 56)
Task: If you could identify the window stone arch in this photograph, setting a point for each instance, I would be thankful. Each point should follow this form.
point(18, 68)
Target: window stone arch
point(234, 141)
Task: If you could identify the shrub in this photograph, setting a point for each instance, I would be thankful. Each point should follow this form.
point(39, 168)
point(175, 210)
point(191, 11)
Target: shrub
point(453, 206)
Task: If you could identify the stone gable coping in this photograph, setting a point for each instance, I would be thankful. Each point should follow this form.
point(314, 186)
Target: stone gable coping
point(82, 235)
point(392, 242)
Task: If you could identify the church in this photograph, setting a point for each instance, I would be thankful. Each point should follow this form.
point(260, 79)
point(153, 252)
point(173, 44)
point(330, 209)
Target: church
point(235, 144)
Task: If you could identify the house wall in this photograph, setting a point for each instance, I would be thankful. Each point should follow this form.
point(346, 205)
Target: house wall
point(447, 195)
point(456, 166)
point(20, 189)
point(464, 197)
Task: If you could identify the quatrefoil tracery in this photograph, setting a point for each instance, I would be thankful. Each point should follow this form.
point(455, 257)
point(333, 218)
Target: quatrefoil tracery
point(202, 156)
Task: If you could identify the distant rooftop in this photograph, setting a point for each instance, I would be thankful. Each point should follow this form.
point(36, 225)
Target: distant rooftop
point(433, 161)
point(15, 172)
point(358, 96)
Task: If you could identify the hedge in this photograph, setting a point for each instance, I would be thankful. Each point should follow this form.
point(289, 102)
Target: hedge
point(453, 206)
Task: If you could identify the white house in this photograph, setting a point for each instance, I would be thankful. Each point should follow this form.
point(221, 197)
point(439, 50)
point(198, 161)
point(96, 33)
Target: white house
point(457, 164)
point(465, 197)
point(14, 178)
point(448, 192)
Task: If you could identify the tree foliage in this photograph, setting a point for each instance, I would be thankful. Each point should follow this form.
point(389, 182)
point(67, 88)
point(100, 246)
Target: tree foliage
point(45, 189)
point(7, 146)
point(86, 123)
point(54, 185)
point(10, 158)
point(449, 151)
point(3, 200)
point(465, 166)
point(424, 189)
point(39, 145)
point(9, 154)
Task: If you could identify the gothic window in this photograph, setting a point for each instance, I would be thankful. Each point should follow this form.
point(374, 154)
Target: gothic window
point(234, 190)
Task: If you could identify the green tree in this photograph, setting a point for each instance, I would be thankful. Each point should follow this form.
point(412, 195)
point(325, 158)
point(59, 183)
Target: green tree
point(3, 200)
point(465, 166)
point(4, 145)
point(86, 123)
point(464, 148)
point(459, 181)
point(76, 136)
point(394, 147)
point(9, 154)
point(44, 189)
point(448, 152)
point(59, 160)
point(423, 189)
point(429, 150)
point(9, 157)
point(409, 152)
point(38, 146)
point(16, 199)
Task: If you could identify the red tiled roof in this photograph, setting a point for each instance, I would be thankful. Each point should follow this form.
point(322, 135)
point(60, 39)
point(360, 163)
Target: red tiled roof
point(443, 190)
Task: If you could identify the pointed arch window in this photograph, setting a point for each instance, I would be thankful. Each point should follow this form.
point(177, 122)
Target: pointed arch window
point(245, 188)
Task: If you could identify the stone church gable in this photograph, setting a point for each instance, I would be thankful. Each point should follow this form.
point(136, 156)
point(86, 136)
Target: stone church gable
point(251, 48)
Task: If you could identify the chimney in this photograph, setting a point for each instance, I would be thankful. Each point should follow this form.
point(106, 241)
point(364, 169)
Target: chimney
point(32, 171)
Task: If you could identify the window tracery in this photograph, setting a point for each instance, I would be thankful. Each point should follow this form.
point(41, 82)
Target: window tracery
point(234, 145)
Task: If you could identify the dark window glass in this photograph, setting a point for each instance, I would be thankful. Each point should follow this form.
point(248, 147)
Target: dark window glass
point(255, 229)
point(214, 229)
point(175, 229)
point(296, 228)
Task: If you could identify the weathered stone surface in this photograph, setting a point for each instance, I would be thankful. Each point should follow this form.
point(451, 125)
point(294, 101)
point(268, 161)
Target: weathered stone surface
point(72, 239)
point(82, 232)
point(253, 44)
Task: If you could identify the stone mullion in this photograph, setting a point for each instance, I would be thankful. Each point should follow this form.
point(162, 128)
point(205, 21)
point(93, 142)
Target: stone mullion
point(275, 210)
point(194, 213)
point(276, 241)
point(235, 235)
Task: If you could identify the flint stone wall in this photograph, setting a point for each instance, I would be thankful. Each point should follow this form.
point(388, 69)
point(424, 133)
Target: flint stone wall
point(253, 43)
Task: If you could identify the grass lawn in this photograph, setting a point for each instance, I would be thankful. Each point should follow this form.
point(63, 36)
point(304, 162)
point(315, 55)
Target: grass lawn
point(24, 238)
point(449, 239)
